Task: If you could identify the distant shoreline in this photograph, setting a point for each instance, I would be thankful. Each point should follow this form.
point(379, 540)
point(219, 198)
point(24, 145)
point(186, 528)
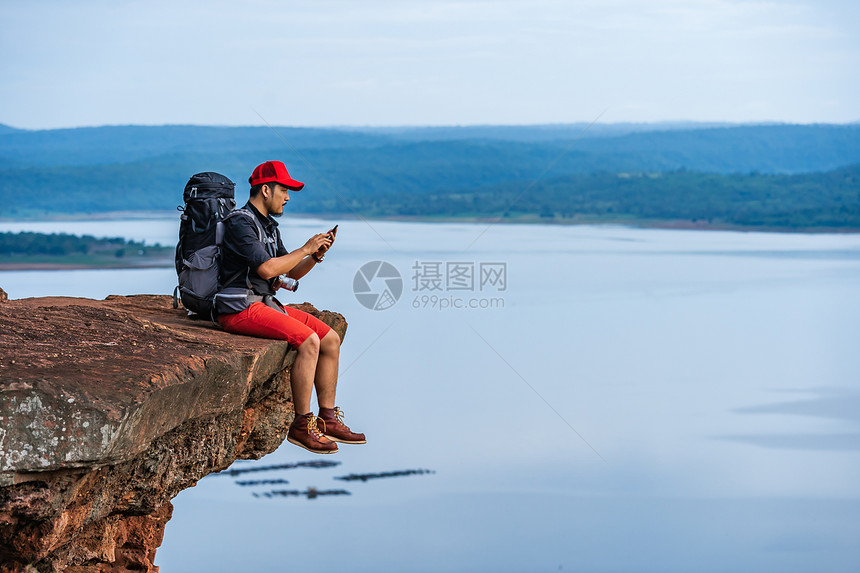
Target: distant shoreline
point(106, 216)
point(681, 225)
point(25, 266)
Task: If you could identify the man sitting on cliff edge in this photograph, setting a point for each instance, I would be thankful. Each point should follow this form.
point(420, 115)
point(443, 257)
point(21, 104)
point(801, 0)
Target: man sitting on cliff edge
point(249, 263)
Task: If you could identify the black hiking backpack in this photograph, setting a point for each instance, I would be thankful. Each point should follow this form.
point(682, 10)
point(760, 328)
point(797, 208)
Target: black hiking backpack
point(208, 201)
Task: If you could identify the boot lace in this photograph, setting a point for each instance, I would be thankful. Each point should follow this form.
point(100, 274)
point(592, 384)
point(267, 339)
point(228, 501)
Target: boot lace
point(337, 422)
point(312, 426)
point(339, 415)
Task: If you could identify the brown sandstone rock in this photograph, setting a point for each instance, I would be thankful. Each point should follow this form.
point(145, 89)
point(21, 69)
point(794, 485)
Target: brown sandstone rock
point(108, 409)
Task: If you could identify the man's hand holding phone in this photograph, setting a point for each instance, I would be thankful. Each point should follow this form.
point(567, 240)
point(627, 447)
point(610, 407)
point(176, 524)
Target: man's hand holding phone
point(319, 255)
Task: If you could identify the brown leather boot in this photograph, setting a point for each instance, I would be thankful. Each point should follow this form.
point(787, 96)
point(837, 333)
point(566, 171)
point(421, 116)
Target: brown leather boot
point(305, 434)
point(333, 428)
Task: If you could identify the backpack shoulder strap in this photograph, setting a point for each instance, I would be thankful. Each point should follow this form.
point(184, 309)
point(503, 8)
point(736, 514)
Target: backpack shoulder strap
point(269, 242)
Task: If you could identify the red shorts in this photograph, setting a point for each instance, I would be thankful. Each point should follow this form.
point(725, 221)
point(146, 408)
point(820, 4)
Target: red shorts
point(266, 322)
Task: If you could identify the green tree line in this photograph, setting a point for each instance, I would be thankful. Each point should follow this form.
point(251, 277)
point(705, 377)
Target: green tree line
point(27, 243)
point(813, 201)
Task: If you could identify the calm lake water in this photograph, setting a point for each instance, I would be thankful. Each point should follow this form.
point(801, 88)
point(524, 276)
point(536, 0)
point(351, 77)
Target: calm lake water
point(628, 401)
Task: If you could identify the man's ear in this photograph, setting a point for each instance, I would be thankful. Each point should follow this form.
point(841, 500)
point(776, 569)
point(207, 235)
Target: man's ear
point(263, 191)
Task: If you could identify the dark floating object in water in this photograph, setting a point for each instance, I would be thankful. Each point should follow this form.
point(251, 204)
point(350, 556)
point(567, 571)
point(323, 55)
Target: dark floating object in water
point(398, 473)
point(311, 493)
point(279, 481)
point(314, 464)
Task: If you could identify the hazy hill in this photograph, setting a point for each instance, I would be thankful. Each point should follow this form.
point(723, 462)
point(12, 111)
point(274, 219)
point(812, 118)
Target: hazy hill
point(730, 149)
point(391, 171)
point(126, 144)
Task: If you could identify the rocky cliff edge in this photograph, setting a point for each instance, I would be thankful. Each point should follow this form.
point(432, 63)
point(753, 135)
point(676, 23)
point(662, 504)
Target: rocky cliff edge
point(108, 409)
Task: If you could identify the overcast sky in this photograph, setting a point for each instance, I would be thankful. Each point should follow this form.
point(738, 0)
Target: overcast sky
point(427, 62)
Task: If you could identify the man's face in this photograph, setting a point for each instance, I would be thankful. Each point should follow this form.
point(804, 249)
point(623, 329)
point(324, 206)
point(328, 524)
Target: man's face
point(278, 197)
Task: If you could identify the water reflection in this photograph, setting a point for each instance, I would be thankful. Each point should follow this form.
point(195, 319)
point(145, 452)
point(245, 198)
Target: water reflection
point(839, 405)
point(832, 403)
point(278, 481)
point(310, 493)
point(820, 442)
point(312, 464)
point(399, 473)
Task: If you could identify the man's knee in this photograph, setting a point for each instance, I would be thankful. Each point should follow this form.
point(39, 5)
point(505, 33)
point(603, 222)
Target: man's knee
point(330, 343)
point(311, 345)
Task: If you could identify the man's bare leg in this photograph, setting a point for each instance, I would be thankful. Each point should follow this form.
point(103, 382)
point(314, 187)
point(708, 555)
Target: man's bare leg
point(304, 431)
point(325, 378)
point(302, 375)
point(326, 385)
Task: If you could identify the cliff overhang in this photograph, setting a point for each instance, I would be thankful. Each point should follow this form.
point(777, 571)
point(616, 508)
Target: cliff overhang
point(108, 409)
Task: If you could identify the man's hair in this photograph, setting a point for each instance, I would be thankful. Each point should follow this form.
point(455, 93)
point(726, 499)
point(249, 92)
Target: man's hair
point(255, 190)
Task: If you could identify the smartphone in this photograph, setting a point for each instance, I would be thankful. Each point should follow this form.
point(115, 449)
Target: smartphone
point(332, 232)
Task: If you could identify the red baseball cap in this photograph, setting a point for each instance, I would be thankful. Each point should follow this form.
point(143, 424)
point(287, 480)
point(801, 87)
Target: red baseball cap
point(274, 172)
